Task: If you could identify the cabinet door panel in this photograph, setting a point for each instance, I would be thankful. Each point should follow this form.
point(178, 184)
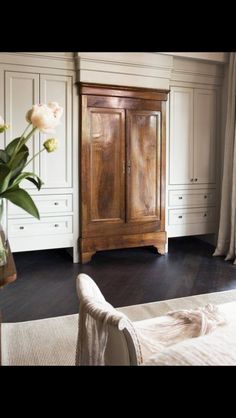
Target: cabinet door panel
point(181, 136)
point(143, 166)
point(103, 167)
point(22, 91)
point(204, 136)
point(56, 167)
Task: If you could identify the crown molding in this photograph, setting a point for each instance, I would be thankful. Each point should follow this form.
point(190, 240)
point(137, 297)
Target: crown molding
point(216, 57)
point(61, 60)
point(134, 69)
point(123, 68)
point(193, 71)
point(152, 70)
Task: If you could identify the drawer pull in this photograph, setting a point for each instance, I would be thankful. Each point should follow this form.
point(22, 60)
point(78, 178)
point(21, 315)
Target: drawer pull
point(180, 197)
point(195, 179)
point(180, 217)
point(205, 214)
point(205, 197)
point(56, 203)
point(22, 227)
point(191, 179)
point(56, 225)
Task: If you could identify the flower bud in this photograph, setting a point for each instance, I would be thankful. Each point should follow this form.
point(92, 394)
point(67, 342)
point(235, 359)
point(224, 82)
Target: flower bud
point(50, 144)
point(3, 125)
point(28, 116)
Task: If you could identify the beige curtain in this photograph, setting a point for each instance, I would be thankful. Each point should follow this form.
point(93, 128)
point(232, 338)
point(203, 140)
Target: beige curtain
point(226, 244)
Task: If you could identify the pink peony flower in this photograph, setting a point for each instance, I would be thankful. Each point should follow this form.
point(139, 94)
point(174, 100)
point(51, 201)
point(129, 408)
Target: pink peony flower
point(45, 117)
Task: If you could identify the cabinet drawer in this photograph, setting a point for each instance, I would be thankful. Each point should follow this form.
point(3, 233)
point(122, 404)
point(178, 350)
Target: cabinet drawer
point(46, 204)
point(191, 216)
point(46, 226)
point(192, 197)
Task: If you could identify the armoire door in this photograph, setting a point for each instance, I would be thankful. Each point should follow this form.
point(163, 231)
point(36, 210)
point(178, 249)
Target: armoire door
point(143, 166)
point(103, 169)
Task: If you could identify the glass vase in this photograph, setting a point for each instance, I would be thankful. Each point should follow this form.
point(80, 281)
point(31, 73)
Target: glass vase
point(3, 233)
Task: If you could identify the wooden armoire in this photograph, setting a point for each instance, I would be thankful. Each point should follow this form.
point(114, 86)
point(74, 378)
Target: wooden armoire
point(122, 168)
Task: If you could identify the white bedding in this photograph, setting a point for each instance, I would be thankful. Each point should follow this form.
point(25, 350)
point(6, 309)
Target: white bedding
point(218, 347)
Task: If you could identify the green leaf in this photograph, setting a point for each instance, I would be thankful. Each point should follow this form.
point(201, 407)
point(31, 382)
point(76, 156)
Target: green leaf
point(18, 159)
point(19, 168)
point(28, 176)
point(38, 183)
point(5, 175)
point(10, 148)
point(22, 199)
point(4, 157)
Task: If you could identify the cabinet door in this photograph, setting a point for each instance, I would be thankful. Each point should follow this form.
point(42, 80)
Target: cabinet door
point(56, 167)
point(102, 179)
point(143, 166)
point(204, 136)
point(22, 91)
point(181, 136)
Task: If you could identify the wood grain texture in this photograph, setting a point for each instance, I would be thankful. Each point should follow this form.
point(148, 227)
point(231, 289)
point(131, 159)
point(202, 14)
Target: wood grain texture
point(122, 175)
point(123, 103)
point(88, 246)
point(143, 174)
point(123, 91)
point(106, 176)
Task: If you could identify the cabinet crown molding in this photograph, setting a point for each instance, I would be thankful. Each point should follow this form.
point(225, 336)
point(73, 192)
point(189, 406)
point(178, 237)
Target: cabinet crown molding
point(60, 60)
point(150, 70)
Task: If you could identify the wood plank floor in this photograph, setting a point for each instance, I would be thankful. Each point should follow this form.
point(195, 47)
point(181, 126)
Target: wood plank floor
point(45, 285)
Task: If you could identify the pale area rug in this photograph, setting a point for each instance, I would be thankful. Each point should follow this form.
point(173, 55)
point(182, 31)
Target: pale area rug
point(52, 341)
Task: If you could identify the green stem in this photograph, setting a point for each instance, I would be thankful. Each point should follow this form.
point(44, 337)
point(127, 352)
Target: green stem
point(34, 156)
point(20, 143)
point(22, 136)
point(28, 136)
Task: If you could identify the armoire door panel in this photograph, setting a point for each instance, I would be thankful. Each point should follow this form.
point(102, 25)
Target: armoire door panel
point(106, 167)
point(22, 92)
point(204, 136)
point(143, 166)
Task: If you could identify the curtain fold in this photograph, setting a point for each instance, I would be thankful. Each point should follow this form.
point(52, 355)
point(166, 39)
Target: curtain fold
point(227, 226)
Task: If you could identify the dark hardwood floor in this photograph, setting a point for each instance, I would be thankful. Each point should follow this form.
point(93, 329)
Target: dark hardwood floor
point(45, 285)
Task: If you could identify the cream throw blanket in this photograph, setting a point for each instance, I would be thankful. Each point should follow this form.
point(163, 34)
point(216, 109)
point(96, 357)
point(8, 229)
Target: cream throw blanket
point(94, 320)
point(154, 335)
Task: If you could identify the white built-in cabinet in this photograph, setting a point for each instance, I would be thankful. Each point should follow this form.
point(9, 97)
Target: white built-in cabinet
point(56, 201)
point(192, 131)
point(192, 136)
point(192, 161)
